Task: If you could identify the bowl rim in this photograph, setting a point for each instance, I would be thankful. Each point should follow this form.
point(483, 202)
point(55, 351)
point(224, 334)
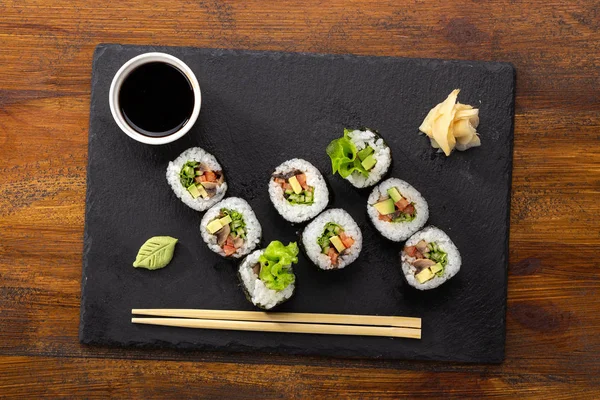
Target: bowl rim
point(122, 74)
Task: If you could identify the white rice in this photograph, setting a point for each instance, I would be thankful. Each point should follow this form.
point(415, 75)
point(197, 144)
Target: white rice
point(315, 229)
point(253, 228)
point(258, 293)
point(431, 234)
point(398, 231)
point(299, 212)
point(382, 154)
point(200, 155)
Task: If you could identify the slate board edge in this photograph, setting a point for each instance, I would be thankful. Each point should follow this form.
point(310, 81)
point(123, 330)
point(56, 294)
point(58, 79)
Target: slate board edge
point(96, 55)
point(276, 349)
point(491, 65)
point(508, 202)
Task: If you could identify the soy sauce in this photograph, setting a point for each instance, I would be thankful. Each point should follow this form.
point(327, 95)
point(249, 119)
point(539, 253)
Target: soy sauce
point(156, 99)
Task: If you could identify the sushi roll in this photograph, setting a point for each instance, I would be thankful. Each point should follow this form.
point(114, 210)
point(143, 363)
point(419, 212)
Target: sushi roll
point(360, 157)
point(230, 228)
point(267, 276)
point(429, 259)
point(333, 240)
point(197, 179)
point(298, 191)
point(397, 209)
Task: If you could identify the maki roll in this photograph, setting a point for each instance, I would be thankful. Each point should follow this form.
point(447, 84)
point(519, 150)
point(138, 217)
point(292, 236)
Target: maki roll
point(360, 157)
point(230, 228)
point(333, 240)
point(429, 259)
point(197, 179)
point(397, 209)
point(298, 191)
point(267, 275)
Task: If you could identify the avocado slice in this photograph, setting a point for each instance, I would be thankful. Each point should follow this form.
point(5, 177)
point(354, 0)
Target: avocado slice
point(226, 220)
point(394, 194)
point(214, 226)
point(424, 275)
point(436, 268)
point(385, 207)
point(364, 153)
point(193, 189)
point(337, 242)
point(295, 185)
point(369, 162)
point(202, 191)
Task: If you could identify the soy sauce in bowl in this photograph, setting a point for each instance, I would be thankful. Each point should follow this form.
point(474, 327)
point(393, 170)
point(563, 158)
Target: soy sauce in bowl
point(156, 99)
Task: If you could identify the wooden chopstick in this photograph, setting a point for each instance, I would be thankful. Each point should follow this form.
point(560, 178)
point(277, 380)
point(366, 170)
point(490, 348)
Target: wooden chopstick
point(342, 319)
point(413, 333)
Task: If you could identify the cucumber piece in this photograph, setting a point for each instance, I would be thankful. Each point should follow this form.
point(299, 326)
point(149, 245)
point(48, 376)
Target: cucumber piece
point(436, 268)
point(369, 162)
point(364, 153)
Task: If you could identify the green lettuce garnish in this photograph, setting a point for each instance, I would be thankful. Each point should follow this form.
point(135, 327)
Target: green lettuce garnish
point(276, 265)
point(343, 156)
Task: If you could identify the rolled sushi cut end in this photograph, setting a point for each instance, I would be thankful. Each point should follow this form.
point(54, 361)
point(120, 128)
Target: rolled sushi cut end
point(230, 228)
point(267, 275)
point(333, 240)
point(197, 178)
point(360, 157)
point(298, 191)
point(397, 209)
point(429, 258)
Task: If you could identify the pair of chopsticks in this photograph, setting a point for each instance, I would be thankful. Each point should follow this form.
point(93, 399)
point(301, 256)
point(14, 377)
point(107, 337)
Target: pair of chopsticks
point(325, 324)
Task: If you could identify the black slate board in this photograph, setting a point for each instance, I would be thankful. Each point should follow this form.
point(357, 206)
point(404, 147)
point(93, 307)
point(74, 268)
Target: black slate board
point(259, 109)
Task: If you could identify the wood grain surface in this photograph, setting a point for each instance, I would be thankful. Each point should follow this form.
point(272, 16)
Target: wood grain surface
point(553, 321)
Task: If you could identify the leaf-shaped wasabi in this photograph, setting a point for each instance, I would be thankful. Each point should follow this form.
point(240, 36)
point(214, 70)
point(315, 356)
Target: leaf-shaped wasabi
point(155, 253)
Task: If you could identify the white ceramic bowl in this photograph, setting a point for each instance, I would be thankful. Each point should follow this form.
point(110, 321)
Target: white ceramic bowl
point(125, 70)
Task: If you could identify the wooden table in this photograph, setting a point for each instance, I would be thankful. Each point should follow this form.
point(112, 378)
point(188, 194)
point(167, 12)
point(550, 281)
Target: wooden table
point(553, 321)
